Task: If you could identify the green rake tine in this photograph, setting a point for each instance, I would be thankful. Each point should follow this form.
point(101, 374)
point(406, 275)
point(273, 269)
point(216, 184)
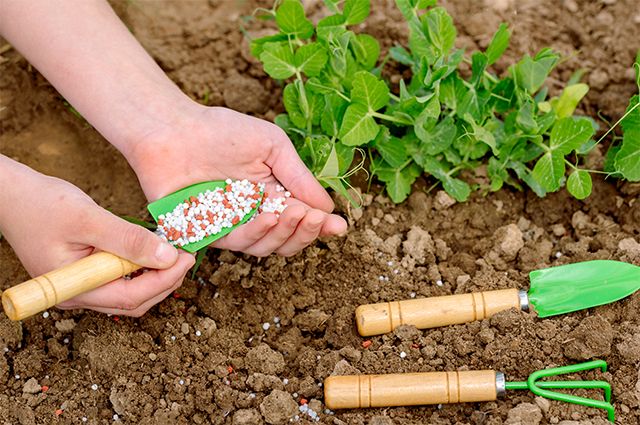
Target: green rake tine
point(564, 385)
point(540, 388)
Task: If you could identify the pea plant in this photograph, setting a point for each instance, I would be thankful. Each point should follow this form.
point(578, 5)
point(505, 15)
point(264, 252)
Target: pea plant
point(623, 157)
point(454, 119)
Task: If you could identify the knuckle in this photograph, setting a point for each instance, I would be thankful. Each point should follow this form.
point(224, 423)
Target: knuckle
point(134, 239)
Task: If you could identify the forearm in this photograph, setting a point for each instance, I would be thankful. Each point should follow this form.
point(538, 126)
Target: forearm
point(15, 179)
point(93, 60)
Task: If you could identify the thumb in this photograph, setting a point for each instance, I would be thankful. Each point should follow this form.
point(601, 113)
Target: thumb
point(133, 242)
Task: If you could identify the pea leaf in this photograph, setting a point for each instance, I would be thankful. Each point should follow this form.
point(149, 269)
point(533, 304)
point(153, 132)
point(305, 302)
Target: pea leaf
point(334, 110)
point(530, 73)
point(549, 170)
point(295, 105)
point(439, 29)
point(257, 44)
point(356, 11)
point(390, 148)
point(310, 59)
point(569, 134)
point(525, 120)
point(278, 61)
point(438, 138)
point(332, 5)
point(579, 184)
point(331, 27)
point(398, 180)
point(369, 91)
point(457, 188)
point(331, 167)
point(401, 55)
point(291, 20)
point(569, 99)
point(498, 44)
point(627, 160)
point(366, 50)
point(358, 126)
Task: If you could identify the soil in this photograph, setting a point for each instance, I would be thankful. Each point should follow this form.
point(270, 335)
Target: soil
point(157, 370)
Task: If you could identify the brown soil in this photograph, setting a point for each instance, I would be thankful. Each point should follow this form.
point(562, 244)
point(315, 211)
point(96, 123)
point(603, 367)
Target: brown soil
point(156, 370)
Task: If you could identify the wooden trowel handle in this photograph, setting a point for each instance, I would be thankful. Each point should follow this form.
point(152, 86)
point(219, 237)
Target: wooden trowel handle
point(410, 389)
point(54, 287)
point(424, 313)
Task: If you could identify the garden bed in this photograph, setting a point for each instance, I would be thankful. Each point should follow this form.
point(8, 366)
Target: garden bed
point(248, 338)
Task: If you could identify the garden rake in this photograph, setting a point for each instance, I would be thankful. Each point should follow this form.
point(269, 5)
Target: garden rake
point(411, 389)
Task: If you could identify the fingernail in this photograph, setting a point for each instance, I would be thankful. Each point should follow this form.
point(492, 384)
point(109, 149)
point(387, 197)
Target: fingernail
point(166, 254)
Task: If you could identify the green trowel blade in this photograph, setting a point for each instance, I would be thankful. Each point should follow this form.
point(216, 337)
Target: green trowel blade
point(169, 202)
point(573, 287)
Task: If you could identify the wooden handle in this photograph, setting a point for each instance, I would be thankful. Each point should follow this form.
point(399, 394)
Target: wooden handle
point(424, 313)
point(49, 289)
point(409, 389)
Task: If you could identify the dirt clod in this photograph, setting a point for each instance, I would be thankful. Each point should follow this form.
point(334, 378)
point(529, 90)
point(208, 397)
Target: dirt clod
point(247, 417)
point(591, 338)
point(524, 414)
point(278, 407)
point(264, 360)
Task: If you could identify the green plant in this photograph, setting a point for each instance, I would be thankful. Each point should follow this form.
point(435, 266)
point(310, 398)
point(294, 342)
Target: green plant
point(443, 121)
point(623, 157)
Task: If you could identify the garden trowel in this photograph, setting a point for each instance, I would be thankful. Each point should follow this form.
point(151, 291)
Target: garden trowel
point(56, 286)
point(555, 290)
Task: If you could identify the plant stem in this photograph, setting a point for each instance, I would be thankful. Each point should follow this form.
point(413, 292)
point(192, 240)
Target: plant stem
point(389, 118)
point(618, 122)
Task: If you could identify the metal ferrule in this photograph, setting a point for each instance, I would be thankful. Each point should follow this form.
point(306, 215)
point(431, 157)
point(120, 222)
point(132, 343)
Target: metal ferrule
point(524, 300)
point(501, 384)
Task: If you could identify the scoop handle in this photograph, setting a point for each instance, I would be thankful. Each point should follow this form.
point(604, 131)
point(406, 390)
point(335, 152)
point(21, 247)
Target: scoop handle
point(410, 389)
point(425, 313)
point(54, 287)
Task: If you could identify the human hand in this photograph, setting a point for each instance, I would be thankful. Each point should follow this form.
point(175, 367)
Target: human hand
point(218, 143)
point(52, 223)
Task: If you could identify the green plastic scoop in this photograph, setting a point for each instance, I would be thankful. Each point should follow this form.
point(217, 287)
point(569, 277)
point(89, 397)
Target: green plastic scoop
point(573, 287)
point(169, 202)
point(45, 291)
point(554, 290)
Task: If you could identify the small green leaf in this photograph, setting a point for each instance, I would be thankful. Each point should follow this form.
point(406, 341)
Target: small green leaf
point(549, 170)
point(257, 44)
point(331, 167)
point(294, 105)
point(419, 44)
point(398, 180)
point(358, 127)
point(278, 61)
point(530, 73)
point(356, 11)
point(366, 50)
point(401, 55)
point(331, 27)
point(291, 19)
point(569, 134)
point(438, 138)
point(439, 29)
point(390, 148)
point(627, 160)
point(525, 120)
point(478, 65)
point(579, 184)
point(457, 188)
point(498, 45)
point(571, 96)
point(370, 91)
point(332, 5)
point(334, 110)
point(310, 59)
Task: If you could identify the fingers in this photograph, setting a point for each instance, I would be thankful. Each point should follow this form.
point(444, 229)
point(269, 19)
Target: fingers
point(280, 233)
point(289, 169)
point(247, 234)
point(306, 232)
point(134, 297)
point(135, 243)
point(334, 225)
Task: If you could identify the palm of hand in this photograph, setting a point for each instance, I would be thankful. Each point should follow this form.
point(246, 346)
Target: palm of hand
point(219, 143)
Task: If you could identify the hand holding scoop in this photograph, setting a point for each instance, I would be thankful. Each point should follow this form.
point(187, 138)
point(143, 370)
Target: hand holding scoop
point(54, 287)
point(555, 290)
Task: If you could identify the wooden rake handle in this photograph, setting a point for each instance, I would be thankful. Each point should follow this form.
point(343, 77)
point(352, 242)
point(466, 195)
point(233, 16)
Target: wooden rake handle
point(410, 389)
point(425, 313)
point(54, 287)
